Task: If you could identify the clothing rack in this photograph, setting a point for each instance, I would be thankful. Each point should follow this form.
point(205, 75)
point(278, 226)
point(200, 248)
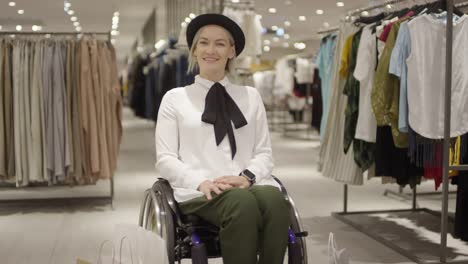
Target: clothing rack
point(57, 200)
point(360, 10)
point(330, 30)
point(444, 217)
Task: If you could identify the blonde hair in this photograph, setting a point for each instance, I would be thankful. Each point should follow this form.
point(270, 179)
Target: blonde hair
point(193, 64)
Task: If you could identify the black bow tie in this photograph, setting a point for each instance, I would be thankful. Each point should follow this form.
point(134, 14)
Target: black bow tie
point(220, 110)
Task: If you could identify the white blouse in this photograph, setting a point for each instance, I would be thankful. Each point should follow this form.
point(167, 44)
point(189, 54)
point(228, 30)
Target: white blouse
point(186, 149)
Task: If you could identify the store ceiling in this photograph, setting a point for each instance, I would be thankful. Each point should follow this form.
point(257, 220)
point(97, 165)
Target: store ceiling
point(96, 15)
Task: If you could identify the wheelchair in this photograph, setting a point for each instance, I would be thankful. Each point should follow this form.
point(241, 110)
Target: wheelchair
point(190, 237)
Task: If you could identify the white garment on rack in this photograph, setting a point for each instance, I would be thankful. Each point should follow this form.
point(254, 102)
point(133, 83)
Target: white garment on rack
point(304, 71)
point(264, 82)
point(426, 77)
point(284, 82)
point(366, 128)
point(333, 162)
point(252, 27)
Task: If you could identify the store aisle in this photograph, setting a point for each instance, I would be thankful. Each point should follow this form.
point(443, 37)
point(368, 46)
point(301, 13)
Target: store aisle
point(61, 234)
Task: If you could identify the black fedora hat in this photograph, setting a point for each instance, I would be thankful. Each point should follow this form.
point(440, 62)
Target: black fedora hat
point(219, 20)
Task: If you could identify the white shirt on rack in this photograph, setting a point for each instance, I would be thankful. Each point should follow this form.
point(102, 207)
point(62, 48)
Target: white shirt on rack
point(426, 77)
point(186, 150)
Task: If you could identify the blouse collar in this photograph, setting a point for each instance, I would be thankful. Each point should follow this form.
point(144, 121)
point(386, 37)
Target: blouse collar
point(207, 83)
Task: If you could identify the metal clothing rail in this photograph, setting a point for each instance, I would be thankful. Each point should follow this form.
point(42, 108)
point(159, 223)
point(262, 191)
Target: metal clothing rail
point(444, 217)
point(360, 10)
point(58, 200)
point(324, 31)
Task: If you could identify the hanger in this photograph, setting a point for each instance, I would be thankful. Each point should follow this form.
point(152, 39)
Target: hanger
point(439, 6)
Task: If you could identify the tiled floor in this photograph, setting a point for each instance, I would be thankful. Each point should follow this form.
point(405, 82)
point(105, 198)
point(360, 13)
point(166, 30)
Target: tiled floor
point(52, 234)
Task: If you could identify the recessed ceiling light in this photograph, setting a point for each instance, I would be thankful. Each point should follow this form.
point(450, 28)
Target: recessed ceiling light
point(19, 28)
point(266, 42)
point(287, 23)
point(78, 29)
point(76, 23)
point(274, 28)
point(280, 32)
point(302, 18)
point(192, 15)
point(67, 5)
point(319, 12)
point(339, 4)
point(286, 36)
point(272, 10)
point(286, 45)
point(266, 48)
point(300, 45)
point(21, 11)
point(71, 12)
point(35, 28)
point(12, 4)
point(187, 19)
point(326, 24)
point(73, 18)
point(275, 39)
point(116, 13)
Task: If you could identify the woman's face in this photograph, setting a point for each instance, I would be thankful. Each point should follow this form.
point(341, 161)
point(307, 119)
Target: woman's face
point(213, 49)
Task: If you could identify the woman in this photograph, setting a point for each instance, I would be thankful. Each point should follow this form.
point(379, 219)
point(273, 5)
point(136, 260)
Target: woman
point(221, 173)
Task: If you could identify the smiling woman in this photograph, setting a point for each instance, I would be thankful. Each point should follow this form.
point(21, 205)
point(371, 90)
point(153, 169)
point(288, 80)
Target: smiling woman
point(213, 146)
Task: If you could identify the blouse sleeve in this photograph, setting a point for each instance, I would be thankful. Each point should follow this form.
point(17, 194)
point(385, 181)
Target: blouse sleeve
point(262, 162)
point(168, 163)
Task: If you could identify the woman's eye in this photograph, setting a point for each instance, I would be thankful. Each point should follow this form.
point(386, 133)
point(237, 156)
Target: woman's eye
point(203, 42)
point(221, 44)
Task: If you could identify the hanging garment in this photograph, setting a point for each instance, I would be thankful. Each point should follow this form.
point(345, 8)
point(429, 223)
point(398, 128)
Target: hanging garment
point(386, 92)
point(333, 162)
point(399, 68)
point(325, 64)
point(304, 71)
point(3, 150)
point(316, 101)
point(366, 127)
point(426, 77)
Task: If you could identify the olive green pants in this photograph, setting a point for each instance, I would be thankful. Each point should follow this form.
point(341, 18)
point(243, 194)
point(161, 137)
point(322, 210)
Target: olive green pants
point(251, 221)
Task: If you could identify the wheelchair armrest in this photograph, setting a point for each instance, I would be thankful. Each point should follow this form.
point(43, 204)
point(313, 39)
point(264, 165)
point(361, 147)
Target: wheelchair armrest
point(163, 185)
point(283, 189)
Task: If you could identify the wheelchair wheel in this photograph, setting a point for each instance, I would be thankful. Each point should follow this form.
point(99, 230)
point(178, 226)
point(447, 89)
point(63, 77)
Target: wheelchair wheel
point(155, 215)
point(297, 253)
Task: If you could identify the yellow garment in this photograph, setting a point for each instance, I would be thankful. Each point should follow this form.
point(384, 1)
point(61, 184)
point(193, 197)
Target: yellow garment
point(346, 56)
point(385, 96)
point(454, 158)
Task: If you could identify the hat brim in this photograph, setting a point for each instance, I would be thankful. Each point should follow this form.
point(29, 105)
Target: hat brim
point(219, 20)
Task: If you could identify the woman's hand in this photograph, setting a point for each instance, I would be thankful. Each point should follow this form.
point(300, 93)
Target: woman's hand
point(235, 181)
point(208, 186)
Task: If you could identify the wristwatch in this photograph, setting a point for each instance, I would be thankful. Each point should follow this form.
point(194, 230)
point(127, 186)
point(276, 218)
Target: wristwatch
point(249, 175)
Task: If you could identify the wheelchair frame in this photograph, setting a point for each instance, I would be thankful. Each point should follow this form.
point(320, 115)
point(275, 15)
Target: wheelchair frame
point(159, 212)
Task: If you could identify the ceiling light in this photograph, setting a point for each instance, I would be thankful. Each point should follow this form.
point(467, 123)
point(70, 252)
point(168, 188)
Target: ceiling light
point(287, 23)
point(300, 45)
point(71, 12)
point(339, 4)
point(39, 28)
point(266, 48)
point(116, 13)
point(66, 9)
point(192, 15)
point(235, 1)
point(19, 28)
point(286, 36)
point(67, 5)
point(73, 18)
point(272, 10)
point(21, 11)
point(266, 42)
point(302, 18)
point(76, 23)
point(275, 39)
point(326, 24)
point(280, 32)
point(78, 29)
point(115, 33)
point(286, 45)
point(12, 4)
point(288, 2)
point(35, 28)
point(274, 28)
point(319, 12)
point(187, 19)
point(365, 13)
